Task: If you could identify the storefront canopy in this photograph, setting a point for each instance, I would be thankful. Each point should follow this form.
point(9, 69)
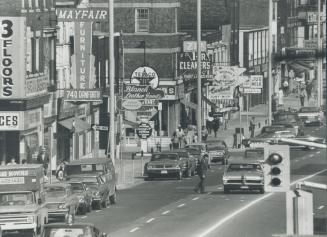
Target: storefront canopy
point(80, 125)
point(130, 124)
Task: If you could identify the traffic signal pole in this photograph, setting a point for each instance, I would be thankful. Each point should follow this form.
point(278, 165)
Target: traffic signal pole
point(270, 79)
point(319, 60)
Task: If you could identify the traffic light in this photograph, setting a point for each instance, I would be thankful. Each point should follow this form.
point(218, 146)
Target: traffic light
point(277, 168)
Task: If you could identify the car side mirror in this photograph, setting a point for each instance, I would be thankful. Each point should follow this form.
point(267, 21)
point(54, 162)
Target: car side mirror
point(104, 235)
point(39, 201)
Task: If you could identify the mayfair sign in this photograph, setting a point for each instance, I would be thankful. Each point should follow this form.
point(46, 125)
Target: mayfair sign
point(82, 14)
point(131, 91)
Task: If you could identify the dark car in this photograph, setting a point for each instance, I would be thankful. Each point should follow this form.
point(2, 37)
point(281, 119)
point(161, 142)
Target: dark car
point(290, 117)
point(190, 159)
point(84, 196)
point(219, 152)
point(165, 164)
point(201, 147)
point(311, 115)
point(71, 230)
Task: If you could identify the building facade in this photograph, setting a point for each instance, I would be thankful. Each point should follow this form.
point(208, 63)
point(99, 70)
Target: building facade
point(28, 115)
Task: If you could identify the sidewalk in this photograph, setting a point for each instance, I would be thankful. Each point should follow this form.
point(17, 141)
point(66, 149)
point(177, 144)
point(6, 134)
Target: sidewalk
point(260, 113)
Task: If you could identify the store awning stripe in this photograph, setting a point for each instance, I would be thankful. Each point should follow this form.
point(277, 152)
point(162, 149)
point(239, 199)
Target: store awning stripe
point(80, 125)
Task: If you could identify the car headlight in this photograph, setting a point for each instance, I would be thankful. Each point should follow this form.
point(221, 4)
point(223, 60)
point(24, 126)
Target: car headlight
point(97, 194)
point(30, 219)
point(149, 167)
point(81, 199)
point(62, 206)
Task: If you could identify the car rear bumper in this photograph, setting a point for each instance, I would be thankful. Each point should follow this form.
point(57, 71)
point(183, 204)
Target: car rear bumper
point(243, 187)
point(163, 172)
point(58, 213)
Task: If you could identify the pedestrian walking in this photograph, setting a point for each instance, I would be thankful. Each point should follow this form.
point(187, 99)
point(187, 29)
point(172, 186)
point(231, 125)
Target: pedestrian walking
point(209, 124)
point(234, 140)
point(175, 141)
point(180, 135)
point(285, 87)
point(215, 126)
point(302, 96)
point(202, 173)
point(252, 126)
point(226, 118)
point(43, 158)
point(204, 133)
point(12, 161)
point(280, 97)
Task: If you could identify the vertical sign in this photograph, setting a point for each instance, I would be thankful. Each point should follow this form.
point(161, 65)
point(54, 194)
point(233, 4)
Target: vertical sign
point(12, 52)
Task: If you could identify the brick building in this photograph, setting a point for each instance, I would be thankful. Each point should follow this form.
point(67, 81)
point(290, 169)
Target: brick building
point(27, 81)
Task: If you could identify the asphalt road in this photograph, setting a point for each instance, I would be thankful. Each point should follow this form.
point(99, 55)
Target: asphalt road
point(171, 208)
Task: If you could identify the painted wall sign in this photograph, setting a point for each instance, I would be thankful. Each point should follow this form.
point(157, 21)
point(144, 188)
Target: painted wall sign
point(145, 76)
point(82, 95)
point(37, 85)
point(131, 104)
point(83, 15)
point(12, 52)
point(11, 121)
point(141, 92)
point(169, 91)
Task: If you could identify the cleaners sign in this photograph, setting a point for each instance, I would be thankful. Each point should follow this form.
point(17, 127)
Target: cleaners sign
point(12, 47)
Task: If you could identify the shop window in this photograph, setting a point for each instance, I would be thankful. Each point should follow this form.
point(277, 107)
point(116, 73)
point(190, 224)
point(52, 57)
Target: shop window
point(142, 20)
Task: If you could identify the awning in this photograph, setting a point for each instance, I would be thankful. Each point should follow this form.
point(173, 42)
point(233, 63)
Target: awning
point(298, 68)
point(130, 124)
point(189, 104)
point(80, 125)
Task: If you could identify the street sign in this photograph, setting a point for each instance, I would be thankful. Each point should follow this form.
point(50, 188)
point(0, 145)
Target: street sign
point(96, 127)
point(144, 130)
point(131, 104)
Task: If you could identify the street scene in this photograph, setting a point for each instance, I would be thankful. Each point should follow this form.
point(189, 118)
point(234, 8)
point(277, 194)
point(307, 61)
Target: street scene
point(136, 118)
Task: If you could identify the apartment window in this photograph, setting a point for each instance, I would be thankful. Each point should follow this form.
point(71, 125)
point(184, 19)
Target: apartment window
point(30, 4)
point(274, 11)
point(251, 49)
point(255, 48)
point(37, 55)
point(273, 43)
point(142, 20)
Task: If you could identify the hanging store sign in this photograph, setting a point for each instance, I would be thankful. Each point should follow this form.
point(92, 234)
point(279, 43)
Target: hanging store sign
point(149, 102)
point(187, 66)
point(144, 130)
point(192, 46)
point(220, 92)
point(82, 95)
point(11, 121)
point(228, 76)
point(82, 15)
point(251, 90)
point(145, 76)
point(131, 104)
point(12, 51)
point(169, 92)
point(141, 92)
point(256, 81)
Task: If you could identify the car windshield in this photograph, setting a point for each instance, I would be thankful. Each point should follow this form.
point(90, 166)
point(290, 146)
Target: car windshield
point(286, 117)
point(309, 109)
point(194, 152)
point(244, 167)
point(11, 199)
point(164, 156)
point(91, 185)
point(183, 154)
point(68, 232)
point(76, 187)
point(272, 129)
point(55, 191)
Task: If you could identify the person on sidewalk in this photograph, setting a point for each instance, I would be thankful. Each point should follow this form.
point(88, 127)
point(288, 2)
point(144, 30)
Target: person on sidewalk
point(204, 133)
point(252, 126)
point(175, 141)
point(215, 126)
point(302, 96)
point(280, 98)
point(202, 173)
point(285, 87)
point(180, 135)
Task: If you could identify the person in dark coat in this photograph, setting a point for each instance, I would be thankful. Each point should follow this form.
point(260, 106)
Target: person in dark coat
point(202, 173)
point(215, 126)
point(43, 158)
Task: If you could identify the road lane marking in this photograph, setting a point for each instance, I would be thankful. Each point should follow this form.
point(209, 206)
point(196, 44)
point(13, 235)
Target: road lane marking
point(150, 220)
point(242, 200)
point(97, 210)
point(318, 152)
point(209, 193)
point(247, 206)
point(321, 207)
point(83, 217)
point(226, 199)
point(196, 198)
point(311, 155)
point(296, 160)
point(181, 205)
point(220, 188)
point(133, 230)
point(165, 212)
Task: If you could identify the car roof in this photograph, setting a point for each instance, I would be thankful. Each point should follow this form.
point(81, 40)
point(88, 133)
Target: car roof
point(179, 150)
point(243, 161)
point(77, 224)
point(64, 185)
point(197, 143)
point(89, 161)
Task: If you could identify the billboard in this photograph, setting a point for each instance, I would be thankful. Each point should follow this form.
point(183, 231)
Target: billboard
point(12, 54)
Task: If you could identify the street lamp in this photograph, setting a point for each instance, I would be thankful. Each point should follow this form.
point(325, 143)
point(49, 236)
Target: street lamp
point(199, 92)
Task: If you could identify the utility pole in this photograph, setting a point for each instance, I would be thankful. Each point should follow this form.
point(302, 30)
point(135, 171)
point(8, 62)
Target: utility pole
point(270, 53)
point(199, 89)
point(111, 82)
point(319, 60)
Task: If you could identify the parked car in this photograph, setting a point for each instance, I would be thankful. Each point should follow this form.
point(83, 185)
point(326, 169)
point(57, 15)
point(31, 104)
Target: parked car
point(165, 164)
point(102, 168)
point(84, 196)
point(268, 138)
point(219, 152)
point(71, 230)
point(244, 175)
point(290, 117)
point(60, 200)
point(279, 127)
point(311, 115)
point(190, 159)
point(201, 147)
point(97, 186)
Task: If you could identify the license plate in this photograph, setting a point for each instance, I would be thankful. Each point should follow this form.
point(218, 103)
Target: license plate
point(164, 171)
point(244, 187)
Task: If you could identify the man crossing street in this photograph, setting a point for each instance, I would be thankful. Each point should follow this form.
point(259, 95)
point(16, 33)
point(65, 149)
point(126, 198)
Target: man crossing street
point(202, 173)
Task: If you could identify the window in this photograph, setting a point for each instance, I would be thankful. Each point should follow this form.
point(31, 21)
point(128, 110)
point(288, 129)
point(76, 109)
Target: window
point(251, 49)
point(255, 47)
point(142, 20)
